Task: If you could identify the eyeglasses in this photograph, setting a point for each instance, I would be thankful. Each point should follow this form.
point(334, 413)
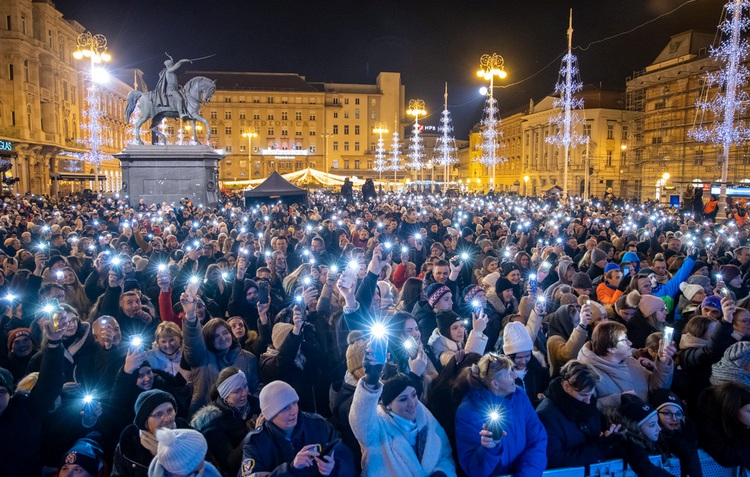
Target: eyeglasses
point(162, 414)
point(673, 415)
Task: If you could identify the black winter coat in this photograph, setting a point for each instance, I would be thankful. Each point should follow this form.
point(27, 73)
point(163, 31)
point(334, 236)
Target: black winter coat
point(683, 444)
point(131, 459)
point(573, 429)
point(224, 429)
point(268, 449)
point(21, 422)
point(341, 402)
point(535, 381)
point(711, 437)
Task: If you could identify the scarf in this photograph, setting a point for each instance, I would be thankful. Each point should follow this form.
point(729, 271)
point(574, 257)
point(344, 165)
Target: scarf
point(726, 371)
point(575, 410)
point(416, 437)
point(149, 441)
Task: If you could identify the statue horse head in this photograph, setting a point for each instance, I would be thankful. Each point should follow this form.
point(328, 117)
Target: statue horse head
point(199, 89)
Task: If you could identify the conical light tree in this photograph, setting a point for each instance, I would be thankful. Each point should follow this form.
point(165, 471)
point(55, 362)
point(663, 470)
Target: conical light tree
point(416, 144)
point(381, 162)
point(394, 160)
point(95, 140)
point(729, 103)
point(445, 148)
point(567, 121)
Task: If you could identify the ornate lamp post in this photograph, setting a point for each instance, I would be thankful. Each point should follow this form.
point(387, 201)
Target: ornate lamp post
point(94, 48)
point(491, 66)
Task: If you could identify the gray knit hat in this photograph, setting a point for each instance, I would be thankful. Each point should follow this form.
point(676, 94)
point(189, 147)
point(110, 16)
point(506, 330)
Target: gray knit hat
point(274, 397)
point(731, 367)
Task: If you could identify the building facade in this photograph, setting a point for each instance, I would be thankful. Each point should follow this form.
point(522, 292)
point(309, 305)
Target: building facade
point(662, 98)
point(280, 122)
point(43, 101)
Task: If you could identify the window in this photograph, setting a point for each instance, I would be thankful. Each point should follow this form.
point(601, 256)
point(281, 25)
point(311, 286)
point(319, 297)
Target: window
point(227, 115)
point(271, 132)
point(284, 132)
point(270, 116)
point(26, 70)
point(335, 100)
point(312, 133)
point(356, 101)
point(356, 113)
point(243, 148)
point(256, 117)
point(346, 100)
point(284, 100)
point(356, 146)
point(213, 115)
point(227, 99)
point(335, 115)
point(335, 145)
point(28, 116)
point(23, 24)
point(346, 114)
point(586, 132)
point(49, 38)
point(12, 118)
point(372, 147)
point(346, 129)
point(298, 116)
point(242, 115)
point(7, 22)
point(356, 164)
point(228, 148)
point(256, 99)
point(10, 71)
point(284, 116)
point(346, 145)
point(312, 117)
point(369, 164)
point(214, 130)
point(372, 115)
point(298, 165)
point(624, 133)
point(610, 131)
point(312, 149)
point(269, 99)
point(228, 130)
point(297, 133)
point(609, 159)
point(356, 129)
point(346, 164)
point(335, 129)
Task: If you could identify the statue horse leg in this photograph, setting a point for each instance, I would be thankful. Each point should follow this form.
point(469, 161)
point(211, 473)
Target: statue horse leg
point(195, 131)
point(145, 115)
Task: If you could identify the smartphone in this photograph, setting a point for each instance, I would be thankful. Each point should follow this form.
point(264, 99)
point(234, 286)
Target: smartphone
point(326, 449)
point(264, 292)
point(411, 346)
point(533, 284)
point(348, 278)
point(495, 426)
point(667, 338)
point(379, 347)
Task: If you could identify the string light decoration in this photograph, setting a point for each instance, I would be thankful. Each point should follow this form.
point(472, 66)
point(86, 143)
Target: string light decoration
point(567, 121)
point(416, 144)
point(381, 162)
point(94, 139)
point(445, 147)
point(394, 161)
point(491, 66)
point(132, 133)
point(719, 120)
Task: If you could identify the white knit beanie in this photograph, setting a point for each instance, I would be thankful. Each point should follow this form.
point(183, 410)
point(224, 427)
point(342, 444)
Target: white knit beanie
point(274, 397)
point(516, 339)
point(180, 451)
point(491, 279)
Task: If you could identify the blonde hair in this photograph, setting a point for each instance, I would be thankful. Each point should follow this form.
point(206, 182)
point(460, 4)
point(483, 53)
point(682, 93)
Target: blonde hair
point(482, 373)
point(167, 328)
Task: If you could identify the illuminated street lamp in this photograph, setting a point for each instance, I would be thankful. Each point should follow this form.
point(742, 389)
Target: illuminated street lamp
point(94, 48)
point(416, 148)
point(526, 185)
point(490, 66)
point(249, 136)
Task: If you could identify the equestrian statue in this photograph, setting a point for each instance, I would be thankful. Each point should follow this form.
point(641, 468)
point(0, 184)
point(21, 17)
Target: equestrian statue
point(169, 100)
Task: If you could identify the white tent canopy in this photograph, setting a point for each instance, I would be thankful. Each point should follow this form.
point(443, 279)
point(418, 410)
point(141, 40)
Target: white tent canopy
point(312, 176)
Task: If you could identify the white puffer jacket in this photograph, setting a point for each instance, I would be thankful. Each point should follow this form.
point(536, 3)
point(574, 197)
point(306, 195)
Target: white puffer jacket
point(445, 349)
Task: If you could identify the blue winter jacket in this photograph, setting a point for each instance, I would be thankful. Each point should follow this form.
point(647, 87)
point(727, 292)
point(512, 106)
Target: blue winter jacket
point(672, 287)
point(522, 452)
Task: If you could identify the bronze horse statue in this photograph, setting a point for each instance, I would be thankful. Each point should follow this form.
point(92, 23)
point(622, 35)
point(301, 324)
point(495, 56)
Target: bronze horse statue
point(196, 91)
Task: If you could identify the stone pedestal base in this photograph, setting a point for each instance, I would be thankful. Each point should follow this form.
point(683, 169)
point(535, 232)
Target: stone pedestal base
point(170, 173)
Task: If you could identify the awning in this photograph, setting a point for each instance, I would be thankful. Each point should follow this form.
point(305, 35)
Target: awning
point(75, 176)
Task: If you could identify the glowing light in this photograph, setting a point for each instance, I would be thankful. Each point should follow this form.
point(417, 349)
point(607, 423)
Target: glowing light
point(116, 261)
point(136, 341)
point(194, 280)
point(87, 399)
point(10, 297)
point(378, 331)
point(353, 265)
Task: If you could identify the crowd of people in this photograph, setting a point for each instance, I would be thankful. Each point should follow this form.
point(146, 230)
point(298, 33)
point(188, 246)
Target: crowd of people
point(383, 334)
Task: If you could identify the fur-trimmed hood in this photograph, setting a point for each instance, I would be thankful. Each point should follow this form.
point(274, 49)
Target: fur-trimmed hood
point(203, 418)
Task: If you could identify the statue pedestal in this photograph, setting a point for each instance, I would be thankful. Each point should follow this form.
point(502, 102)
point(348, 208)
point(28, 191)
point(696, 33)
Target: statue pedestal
point(170, 173)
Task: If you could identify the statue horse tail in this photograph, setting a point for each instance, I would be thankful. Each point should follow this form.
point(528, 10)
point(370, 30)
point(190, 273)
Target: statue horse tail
point(133, 98)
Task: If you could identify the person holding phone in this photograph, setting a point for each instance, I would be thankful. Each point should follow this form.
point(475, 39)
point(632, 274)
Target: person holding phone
point(289, 442)
point(397, 433)
point(519, 444)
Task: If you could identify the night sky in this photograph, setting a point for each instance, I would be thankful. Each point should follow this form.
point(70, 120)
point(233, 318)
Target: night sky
point(428, 42)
